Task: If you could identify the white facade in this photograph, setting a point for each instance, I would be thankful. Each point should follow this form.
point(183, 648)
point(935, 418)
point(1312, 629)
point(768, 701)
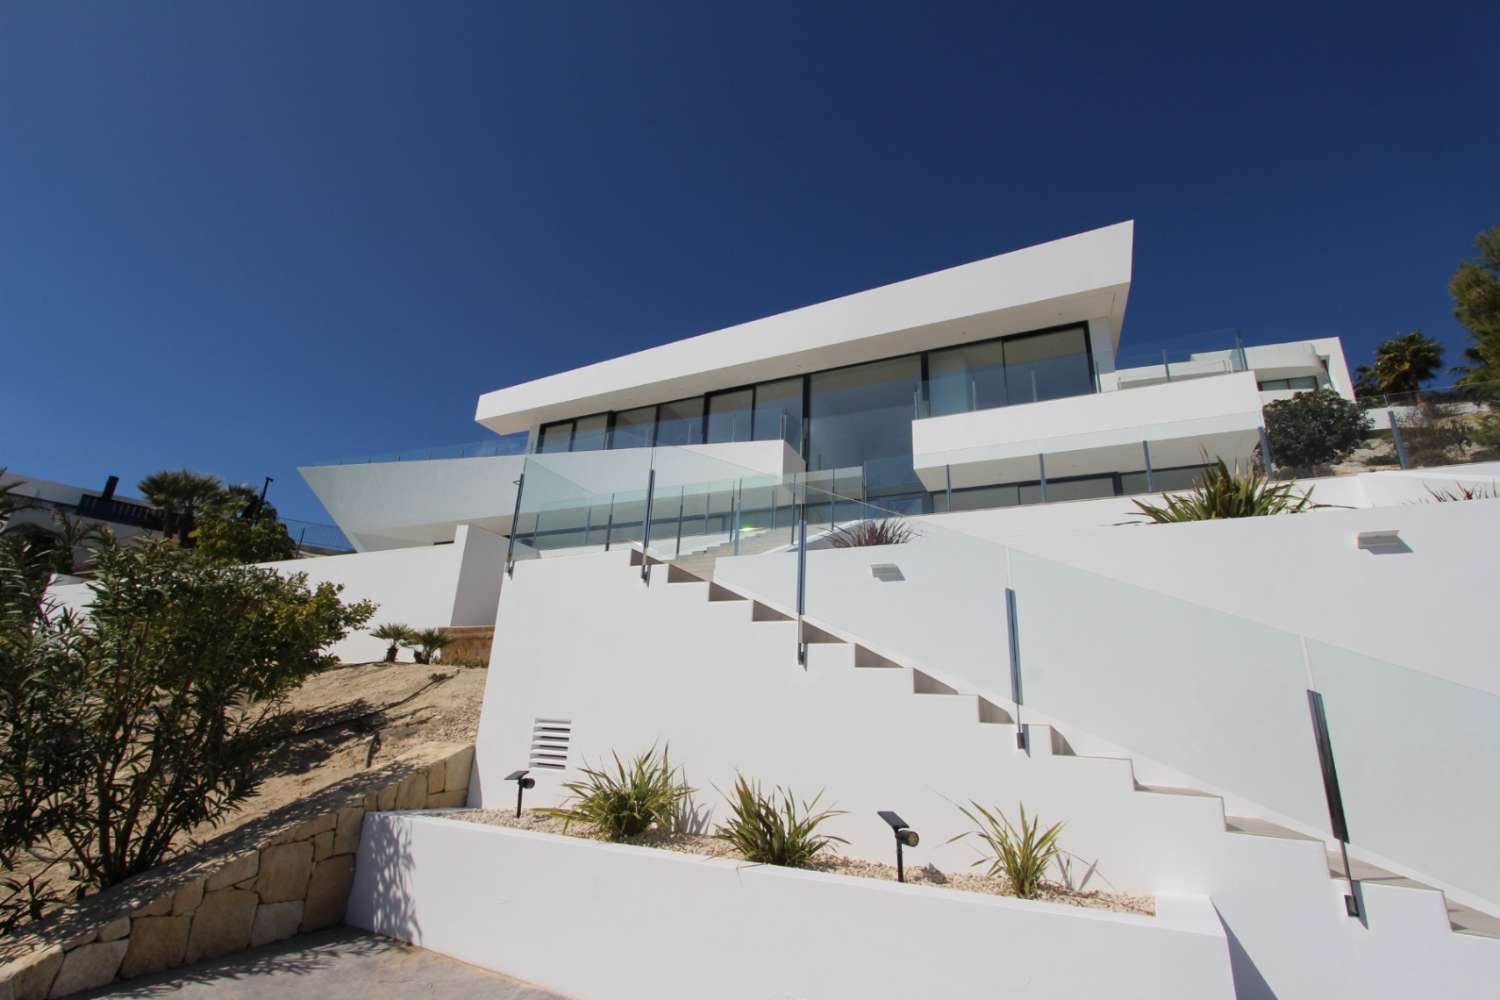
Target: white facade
point(1157, 677)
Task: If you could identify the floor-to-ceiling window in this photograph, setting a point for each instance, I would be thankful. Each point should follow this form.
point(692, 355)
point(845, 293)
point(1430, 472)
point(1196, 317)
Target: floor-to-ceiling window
point(730, 415)
point(860, 418)
point(1027, 368)
point(778, 411)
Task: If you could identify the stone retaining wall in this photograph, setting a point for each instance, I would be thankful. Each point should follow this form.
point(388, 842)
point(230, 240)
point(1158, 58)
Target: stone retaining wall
point(294, 880)
point(470, 643)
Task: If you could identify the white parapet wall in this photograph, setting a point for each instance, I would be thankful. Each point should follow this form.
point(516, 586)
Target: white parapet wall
point(609, 922)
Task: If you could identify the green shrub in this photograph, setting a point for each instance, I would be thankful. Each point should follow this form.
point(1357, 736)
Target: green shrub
point(426, 643)
point(1021, 853)
point(1314, 428)
point(122, 730)
point(776, 829)
point(627, 803)
point(1220, 493)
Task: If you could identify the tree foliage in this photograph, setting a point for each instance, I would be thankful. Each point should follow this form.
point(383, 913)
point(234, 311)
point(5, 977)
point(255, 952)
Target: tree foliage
point(179, 493)
point(1314, 428)
point(236, 527)
point(1475, 288)
point(1402, 364)
point(123, 729)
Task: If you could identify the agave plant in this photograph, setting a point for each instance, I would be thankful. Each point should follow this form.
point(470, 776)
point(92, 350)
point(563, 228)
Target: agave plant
point(627, 803)
point(1021, 852)
point(396, 634)
point(1221, 493)
point(888, 531)
point(1462, 492)
point(776, 829)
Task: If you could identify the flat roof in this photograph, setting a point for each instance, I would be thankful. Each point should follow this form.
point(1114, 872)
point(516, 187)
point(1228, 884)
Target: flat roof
point(1073, 279)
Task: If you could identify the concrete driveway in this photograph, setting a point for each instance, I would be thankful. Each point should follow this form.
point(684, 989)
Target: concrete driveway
point(341, 964)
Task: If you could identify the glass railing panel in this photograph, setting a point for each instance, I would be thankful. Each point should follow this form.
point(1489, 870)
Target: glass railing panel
point(1415, 756)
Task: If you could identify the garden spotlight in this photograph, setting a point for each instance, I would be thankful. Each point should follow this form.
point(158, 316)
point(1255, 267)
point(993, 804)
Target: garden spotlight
point(905, 837)
point(522, 783)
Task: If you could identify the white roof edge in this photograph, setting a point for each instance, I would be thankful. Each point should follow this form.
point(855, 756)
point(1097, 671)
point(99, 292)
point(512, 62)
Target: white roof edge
point(1085, 276)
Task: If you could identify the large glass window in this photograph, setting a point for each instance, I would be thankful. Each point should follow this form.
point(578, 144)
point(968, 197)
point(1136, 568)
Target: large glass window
point(966, 378)
point(633, 428)
point(729, 416)
point(680, 422)
point(861, 418)
point(588, 433)
point(1047, 366)
point(556, 437)
point(778, 411)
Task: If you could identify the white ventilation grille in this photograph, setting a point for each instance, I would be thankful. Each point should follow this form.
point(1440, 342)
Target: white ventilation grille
point(549, 743)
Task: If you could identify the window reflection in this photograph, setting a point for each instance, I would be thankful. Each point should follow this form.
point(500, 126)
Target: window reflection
point(633, 428)
point(861, 418)
point(680, 422)
point(588, 433)
point(778, 411)
point(729, 415)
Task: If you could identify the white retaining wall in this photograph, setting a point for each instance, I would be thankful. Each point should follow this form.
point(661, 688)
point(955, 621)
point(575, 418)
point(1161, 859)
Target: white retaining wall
point(607, 922)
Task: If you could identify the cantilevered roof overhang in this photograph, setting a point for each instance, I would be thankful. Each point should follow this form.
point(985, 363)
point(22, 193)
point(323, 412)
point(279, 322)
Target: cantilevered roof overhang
point(1078, 278)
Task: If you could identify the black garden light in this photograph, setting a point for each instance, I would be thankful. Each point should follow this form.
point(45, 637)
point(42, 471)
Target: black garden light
point(522, 783)
point(905, 837)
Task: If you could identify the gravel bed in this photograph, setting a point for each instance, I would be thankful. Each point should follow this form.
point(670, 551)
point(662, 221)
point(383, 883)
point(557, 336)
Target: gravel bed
point(689, 843)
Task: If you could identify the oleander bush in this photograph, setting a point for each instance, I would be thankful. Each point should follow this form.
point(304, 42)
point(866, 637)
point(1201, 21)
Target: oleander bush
point(1020, 852)
point(125, 728)
point(774, 828)
point(625, 804)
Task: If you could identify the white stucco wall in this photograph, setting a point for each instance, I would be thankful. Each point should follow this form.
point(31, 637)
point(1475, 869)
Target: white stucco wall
point(640, 922)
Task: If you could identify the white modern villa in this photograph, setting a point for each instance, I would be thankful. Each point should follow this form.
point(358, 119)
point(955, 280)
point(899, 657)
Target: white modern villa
point(1284, 729)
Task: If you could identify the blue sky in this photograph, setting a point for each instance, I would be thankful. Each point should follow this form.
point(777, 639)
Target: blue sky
point(243, 237)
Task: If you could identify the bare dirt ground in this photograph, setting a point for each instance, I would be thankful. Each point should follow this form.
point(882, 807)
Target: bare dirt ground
point(351, 725)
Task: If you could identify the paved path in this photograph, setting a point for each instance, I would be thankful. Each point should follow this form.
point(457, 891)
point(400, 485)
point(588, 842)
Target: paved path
point(342, 964)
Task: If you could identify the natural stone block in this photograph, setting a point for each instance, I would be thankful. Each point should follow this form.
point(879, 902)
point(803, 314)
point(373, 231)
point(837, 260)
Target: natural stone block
point(156, 943)
point(311, 828)
point(412, 792)
point(188, 897)
point(236, 870)
point(387, 798)
point(346, 835)
point(275, 922)
point(89, 967)
point(372, 802)
point(30, 976)
point(161, 906)
point(322, 845)
point(436, 775)
point(448, 800)
point(221, 924)
point(115, 929)
point(284, 870)
point(80, 939)
point(458, 767)
point(328, 893)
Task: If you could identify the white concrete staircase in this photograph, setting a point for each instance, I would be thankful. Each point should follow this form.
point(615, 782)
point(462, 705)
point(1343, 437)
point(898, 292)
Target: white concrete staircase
point(827, 649)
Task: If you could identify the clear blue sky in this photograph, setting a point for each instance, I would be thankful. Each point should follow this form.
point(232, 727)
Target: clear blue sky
point(243, 237)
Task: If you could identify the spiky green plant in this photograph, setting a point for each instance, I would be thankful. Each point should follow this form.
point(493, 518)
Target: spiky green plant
point(776, 829)
point(1221, 493)
point(887, 531)
point(396, 634)
point(1021, 853)
point(628, 802)
point(426, 643)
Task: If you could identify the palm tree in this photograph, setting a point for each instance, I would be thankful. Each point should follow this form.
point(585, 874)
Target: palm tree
point(429, 642)
point(179, 493)
point(396, 634)
point(1403, 363)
